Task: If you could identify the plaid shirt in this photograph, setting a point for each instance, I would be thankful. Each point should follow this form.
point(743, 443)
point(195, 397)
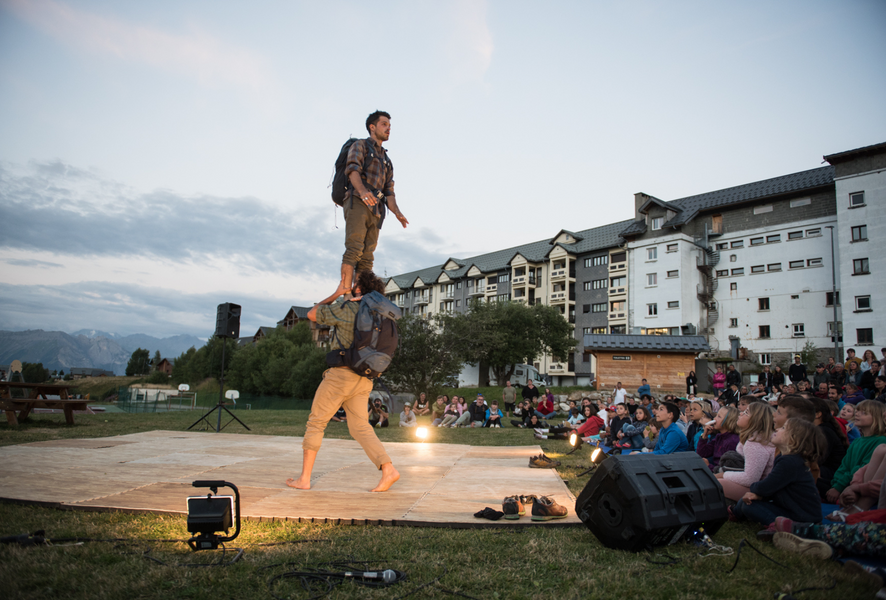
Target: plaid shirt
point(341, 314)
point(379, 172)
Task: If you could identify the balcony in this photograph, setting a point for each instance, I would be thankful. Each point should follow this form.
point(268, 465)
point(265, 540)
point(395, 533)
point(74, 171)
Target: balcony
point(523, 280)
point(558, 369)
point(449, 294)
point(618, 267)
point(421, 300)
point(558, 297)
point(491, 288)
point(477, 290)
point(618, 290)
point(521, 299)
point(558, 274)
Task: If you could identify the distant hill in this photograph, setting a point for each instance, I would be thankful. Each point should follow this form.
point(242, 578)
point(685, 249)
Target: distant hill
point(59, 350)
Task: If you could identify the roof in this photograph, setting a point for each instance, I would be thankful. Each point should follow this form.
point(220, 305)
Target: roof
point(647, 343)
point(687, 208)
point(588, 240)
point(850, 154)
point(300, 311)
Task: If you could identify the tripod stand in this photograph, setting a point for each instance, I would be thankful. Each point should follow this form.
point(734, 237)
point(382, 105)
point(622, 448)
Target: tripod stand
point(221, 399)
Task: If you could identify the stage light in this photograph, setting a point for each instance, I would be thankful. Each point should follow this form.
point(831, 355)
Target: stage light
point(574, 440)
point(597, 456)
point(208, 515)
point(421, 433)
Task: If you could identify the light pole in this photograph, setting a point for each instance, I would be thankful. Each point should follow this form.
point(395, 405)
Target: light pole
point(834, 297)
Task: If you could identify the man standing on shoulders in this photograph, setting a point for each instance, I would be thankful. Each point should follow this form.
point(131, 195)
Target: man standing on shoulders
point(509, 397)
point(797, 372)
point(342, 387)
point(370, 174)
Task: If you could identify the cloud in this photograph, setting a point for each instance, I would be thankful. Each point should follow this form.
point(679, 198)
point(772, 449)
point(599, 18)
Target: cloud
point(470, 45)
point(33, 263)
point(212, 61)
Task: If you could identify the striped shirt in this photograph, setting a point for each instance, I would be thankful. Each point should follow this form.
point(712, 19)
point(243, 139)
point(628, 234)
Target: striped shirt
point(379, 172)
point(341, 314)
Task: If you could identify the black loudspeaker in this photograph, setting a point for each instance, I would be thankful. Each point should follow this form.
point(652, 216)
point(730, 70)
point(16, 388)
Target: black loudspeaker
point(637, 501)
point(227, 323)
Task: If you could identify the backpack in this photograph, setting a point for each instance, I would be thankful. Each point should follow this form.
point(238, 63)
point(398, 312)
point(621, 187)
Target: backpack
point(340, 184)
point(375, 338)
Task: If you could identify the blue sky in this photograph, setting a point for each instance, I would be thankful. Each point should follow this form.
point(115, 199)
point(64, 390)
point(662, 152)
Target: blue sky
point(157, 159)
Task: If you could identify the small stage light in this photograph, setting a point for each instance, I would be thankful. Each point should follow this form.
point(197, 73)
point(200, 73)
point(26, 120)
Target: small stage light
point(208, 515)
point(575, 441)
point(421, 433)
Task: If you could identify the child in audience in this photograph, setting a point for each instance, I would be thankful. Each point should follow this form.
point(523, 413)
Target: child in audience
point(407, 417)
point(719, 438)
point(438, 410)
point(870, 423)
point(836, 447)
point(755, 429)
point(616, 423)
point(588, 430)
point(695, 418)
point(863, 492)
point(575, 418)
point(450, 413)
point(789, 489)
point(493, 415)
point(631, 434)
point(847, 420)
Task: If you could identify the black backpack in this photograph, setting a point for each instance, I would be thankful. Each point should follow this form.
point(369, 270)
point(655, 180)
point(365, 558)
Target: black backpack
point(341, 187)
point(375, 338)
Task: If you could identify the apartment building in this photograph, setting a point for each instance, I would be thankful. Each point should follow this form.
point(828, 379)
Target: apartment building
point(860, 178)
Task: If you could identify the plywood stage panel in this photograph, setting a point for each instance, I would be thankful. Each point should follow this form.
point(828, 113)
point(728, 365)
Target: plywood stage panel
point(440, 484)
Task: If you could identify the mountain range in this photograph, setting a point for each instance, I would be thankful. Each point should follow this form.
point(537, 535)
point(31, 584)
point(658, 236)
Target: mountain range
point(58, 350)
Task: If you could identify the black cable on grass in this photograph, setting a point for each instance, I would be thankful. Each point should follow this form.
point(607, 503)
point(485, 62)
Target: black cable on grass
point(670, 560)
point(744, 542)
point(319, 582)
point(434, 581)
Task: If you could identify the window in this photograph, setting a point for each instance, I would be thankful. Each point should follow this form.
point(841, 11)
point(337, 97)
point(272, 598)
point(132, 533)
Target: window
point(829, 299)
point(860, 233)
point(813, 232)
point(586, 331)
point(598, 308)
point(796, 264)
point(672, 247)
point(674, 304)
point(597, 284)
point(737, 244)
point(759, 210)
point(733, 287)
point(765, 359)
point(599, 330)
point(813, 262)
point(757, 241)
point(457, 303)
point(799, 330)
point(617, 281)
point(673, 274)
point(458, 285)
point(597, 261)
point(860, 266)
point(856, 199)
point(723, 273)
point(763, 304)
point(470, 283)
point(864, 337)
point(618, 329)
point(801, 202)
point(758, 269)
point(503, 298)
point(831, 328)
point(733, 258)
point(773, 267)
point(618, 257)
point(585, 308)
point(616, 306)
point(722, 246)
point(764, 331)
point(504, 278)
point(652, 310)
point(862, 303)
point(733, 322)
point(651, 253)
point(771, 239)
point(795, 235)
point(651, 279)
point(657, 223)
point(738, 271)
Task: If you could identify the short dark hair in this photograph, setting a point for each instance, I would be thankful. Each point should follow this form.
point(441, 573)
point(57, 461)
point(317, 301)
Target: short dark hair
point(374, 117)
point(368, 282)
point(673, 409)
point(797, 407)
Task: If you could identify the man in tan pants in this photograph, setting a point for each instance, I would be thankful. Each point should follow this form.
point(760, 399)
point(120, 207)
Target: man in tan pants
point(343, 388)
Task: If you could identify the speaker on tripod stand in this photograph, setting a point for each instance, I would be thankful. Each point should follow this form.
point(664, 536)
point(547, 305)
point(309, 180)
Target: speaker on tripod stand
point(227, 325)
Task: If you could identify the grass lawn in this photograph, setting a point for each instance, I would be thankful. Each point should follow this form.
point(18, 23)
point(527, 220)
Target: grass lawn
point(567, 563)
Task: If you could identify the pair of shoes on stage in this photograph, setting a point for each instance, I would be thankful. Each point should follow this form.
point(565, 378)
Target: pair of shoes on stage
point(542, 462)
point(489, 513)
point(543, 508)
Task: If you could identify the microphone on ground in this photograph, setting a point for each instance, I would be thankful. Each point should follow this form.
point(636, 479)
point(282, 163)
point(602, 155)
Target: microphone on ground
point(388, 575)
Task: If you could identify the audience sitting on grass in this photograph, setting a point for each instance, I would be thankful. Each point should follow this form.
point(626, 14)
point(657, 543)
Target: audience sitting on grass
point(754, 449)
point(631, 435)
point(522, 411)
point(863, 492)
point(847, 420)
point(589, 430)
point(493, 416)
point(870, 423)
point(378, 413)
point(670, 437)
point(852, 394)
point(544, 408)
point(835, 444)
point(789, 488)
point(697, 414)
point(421, 406)
point(340, 415)
point(619, 416)
point(719, 438)
point(477, 412)
point(438, 410)
point(452, 413)
point(407, 417)
point(575, 418)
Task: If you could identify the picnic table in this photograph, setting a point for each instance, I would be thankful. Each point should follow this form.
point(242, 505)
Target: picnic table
point(38, 396)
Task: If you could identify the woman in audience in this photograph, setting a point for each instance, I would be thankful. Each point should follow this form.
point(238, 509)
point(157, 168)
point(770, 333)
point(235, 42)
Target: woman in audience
point(755, 429)
point(866, 360)
point(870, 423)
point(692, 383)
point(719, 438)
point(778, 377)
point(523, 411)
point(835, 450)
point(421, 406)
point(853, 374)
point(719, 381)
point(789, 489)
point(880, 389)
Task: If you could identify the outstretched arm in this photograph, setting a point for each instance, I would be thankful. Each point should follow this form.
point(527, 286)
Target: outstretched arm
point(392, 204)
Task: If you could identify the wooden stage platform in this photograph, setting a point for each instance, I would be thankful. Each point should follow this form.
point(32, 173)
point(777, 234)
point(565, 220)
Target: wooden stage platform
point(440, 484)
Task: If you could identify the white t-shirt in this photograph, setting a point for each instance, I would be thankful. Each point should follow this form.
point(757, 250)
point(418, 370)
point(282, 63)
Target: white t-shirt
point(619, 396)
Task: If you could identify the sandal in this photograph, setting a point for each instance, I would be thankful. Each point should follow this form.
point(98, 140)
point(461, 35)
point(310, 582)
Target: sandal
point(840, 515)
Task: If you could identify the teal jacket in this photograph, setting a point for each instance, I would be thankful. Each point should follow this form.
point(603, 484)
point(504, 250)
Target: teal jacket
point(857, 455)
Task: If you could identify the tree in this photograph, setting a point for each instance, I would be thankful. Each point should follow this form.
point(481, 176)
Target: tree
point(156, 361)
point(35, 373)
point(138, 362)
point(504, 334)
point(427, 358)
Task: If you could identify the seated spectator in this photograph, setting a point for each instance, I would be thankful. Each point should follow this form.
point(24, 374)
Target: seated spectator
point(407, 417)
point(879, 389)
point(870, 423)
point(719, 438)
point(838, 377)
point(863, 492)
point(522, 411)
point(852, 395)
point(836, 444)
point(774, 394)
point(822, 391)
point(730, 397)
point(746, 401)
point(789, 489)
point(847, 420)
point(853, 374)
point(617, 420)
point(793, 407)
point(575, 418)
point(695, 418)
point(477, 412)
point(451, 413)
point(670, 437)
point(588, 430)
point(493, 416)
point(755, 429)
point(340, 415)
point(631, 434)
point(821, 376)
point(867, 362)
point(544, 408)
point(378, 413)
point(758, 390)
point(421, 406)
point(438, 410)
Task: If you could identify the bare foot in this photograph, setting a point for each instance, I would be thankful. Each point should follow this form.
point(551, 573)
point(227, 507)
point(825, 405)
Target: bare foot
point(299, 484)
point(389, 476)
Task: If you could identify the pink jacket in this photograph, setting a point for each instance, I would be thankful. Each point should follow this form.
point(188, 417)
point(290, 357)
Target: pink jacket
point(719, 380)
point(758, 462)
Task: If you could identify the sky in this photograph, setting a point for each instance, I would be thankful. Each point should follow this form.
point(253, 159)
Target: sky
point(160, 158)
